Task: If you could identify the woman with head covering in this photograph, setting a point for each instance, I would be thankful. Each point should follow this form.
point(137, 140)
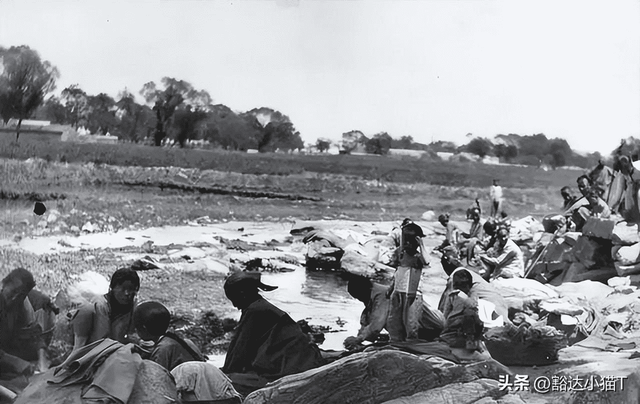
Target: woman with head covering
point(267, 343)
point(110, 315)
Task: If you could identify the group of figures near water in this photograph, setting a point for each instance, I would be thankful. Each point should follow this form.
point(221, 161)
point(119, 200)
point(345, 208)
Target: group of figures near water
point(125, 352)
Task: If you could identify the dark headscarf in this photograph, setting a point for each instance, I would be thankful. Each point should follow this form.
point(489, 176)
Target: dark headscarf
point(246, 280)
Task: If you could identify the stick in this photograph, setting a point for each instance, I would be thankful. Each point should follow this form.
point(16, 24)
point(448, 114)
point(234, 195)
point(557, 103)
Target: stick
point(5, 392)
point(530, 267)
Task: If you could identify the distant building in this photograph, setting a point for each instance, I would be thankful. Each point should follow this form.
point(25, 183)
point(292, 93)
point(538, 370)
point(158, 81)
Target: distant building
point(37, 130)
point(407, 152)
point(446, 156)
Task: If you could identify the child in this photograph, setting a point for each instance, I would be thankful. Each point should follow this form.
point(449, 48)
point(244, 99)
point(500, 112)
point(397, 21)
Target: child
point(410, 260)
point(197, 381)
point(463, 327)
point(152, 320)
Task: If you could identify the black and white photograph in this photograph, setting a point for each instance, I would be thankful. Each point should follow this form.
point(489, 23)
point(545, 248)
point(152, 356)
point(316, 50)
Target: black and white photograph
point(319, 201)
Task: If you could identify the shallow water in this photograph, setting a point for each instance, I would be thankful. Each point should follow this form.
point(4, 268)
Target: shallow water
point(319, 297)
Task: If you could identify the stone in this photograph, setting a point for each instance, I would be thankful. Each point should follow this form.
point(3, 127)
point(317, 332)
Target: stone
point(571, 238)
point(597, 227)
point(370, 377)
point(592, 252)
point(598, 275)
point(429, 216)
point(454, 393)
point(358, 264)
point(88, 227)
point(624, 270)
point(53, 216)
point(625, 234)
point(627, 255)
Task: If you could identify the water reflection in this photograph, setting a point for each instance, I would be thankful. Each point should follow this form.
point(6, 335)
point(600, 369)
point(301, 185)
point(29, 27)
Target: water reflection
point(319, 297)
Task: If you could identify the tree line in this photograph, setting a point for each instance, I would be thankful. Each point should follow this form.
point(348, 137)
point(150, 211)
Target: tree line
point(173, 110)
point(533, 150)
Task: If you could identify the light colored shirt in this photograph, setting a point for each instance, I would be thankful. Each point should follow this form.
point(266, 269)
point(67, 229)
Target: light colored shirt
point(496, 193)
point(509, 261)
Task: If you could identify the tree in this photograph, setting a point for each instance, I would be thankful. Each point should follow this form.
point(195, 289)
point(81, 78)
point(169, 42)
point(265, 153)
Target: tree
point(76, 102)
point(134, 121)
point(559, 152)
point(25, 80)
point(280, 136)
point(506, 152)
point(277, 130)
point(52, 110)
point(350, 141)
point(101, 113)
point(380, 143)
point(480, 146)
point(186, 121)
point(535, 145)
point(225, 128)
point(405, 142)
point(323, 145)
point(166, 101)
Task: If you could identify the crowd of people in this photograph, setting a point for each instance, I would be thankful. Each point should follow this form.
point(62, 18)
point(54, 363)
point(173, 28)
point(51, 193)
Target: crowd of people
point(267, 343)
point(603, 192)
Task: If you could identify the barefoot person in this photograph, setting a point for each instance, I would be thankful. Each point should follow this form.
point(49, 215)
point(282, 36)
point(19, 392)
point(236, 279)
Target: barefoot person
point(410, 259)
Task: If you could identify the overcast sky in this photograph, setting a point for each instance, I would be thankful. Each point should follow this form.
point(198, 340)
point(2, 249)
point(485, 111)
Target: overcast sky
point(432, 69)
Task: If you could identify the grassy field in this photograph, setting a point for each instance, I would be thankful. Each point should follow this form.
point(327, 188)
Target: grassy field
point(404, 170)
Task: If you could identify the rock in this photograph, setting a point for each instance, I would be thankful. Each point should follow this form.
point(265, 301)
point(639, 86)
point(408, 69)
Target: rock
point(624, 270)
point(627, 255)
point(89, 285)
point(429, 216)
point(205, 266)
point(53, 216)
point(145, 263)
point(358, 264)
point(625, 234)
point(597, 227)
point(88, 227)
point(592, 252)
point(455, 393)
point(571, 238)
point(370, 377)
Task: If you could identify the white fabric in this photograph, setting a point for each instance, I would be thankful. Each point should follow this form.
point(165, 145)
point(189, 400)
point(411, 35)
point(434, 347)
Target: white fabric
point(485, 312)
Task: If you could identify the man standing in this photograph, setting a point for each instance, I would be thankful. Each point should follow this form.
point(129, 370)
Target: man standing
point(495, 194)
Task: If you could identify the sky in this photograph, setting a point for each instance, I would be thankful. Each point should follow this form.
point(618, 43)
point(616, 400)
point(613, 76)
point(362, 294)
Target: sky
point(430, 69)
